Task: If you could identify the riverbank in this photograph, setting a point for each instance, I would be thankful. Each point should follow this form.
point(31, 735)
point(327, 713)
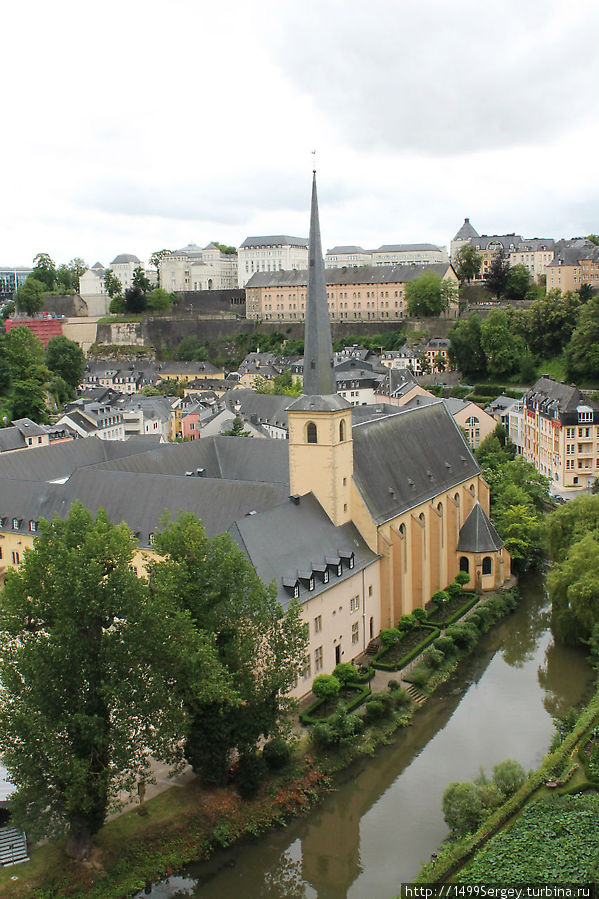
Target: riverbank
point(189, 824)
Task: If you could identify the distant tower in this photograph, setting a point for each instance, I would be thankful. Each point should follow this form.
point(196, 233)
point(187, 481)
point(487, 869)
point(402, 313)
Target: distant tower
point(320, 438)
point(463, 236)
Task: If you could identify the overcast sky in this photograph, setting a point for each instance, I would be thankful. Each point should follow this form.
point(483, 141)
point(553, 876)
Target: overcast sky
point(131, 126)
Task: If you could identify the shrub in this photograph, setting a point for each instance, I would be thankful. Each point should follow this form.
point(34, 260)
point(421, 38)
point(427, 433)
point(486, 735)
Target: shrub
point(385, 698)
point(453, 589)
point(326, 687)
point(401, 698)
point(393, 685)
point(321, 735)
point(462, 808)
point(440, 597)
point(509, 776)
point(250, 774)
point(484, 615)
point(419, 675)
point(344, 727)
point(433, 658)
point(420, 615)
point(406, 623)
point(276, 753)
point(374, 710)
point(389, 635)
point(510, 600)
point(464, 635)
point(345, 673)
point(445, 644)
point(462, 578)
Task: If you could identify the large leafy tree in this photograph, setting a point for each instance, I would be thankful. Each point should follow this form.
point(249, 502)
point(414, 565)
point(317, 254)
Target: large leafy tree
point(44, 270)
point(141, 280)
point(156, 258)
point(134, 299)
point(90, 662)
point(29, 297)
point(24, 353)
point(501, 348)
point(65, 358)
point(518, 282)
point(428, 295)
point(260, 647)
point(465, 346)
point(582, 354)
point(497, 275)
point(112, 284)
point(160, 300)
point(468, 263)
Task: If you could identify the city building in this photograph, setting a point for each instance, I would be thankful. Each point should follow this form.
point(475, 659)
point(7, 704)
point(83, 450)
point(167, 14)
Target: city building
point(535, 253)
point(275, 253)
point(347, 256)
point(368, 293)
point(556, 427)
point(45, 327)
point(197, 268)
point(409, 254)
point(11, 278)
point(89, 419)
point(123, 266)
point(22, 434)
point(463, 236)
point(576, 262)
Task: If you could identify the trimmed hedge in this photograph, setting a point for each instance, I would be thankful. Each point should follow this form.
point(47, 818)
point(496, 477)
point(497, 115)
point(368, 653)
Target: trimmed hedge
point(403, 661)
point(473, 598)
point(307, 716)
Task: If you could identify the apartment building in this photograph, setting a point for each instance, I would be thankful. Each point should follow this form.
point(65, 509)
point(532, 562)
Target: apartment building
point(556, 427)
point(197, 268)
point(277, 252)
point(388, 254)
point(576, 262)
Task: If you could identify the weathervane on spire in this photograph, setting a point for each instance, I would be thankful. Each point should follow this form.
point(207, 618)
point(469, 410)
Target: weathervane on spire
point(314, 162)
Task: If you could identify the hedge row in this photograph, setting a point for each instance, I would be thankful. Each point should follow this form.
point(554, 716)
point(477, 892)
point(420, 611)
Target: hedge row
point(307, 716)
point(397, 666)
point(457, 855)
point(473, 598)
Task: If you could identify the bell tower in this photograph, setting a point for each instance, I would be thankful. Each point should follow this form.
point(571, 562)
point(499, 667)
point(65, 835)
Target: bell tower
point(320, 435)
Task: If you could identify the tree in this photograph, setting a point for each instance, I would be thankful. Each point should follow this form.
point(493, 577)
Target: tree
point(28, 400)
point(468, 263)
point(582, 354)
point(24, 353)
point(497, 276)
point(465, 346)
point(573, 586)
point(160, 300)
point(90, 659)
point(585, 292)
point(327, 687)
point(425, 295)
point(44, 270)
point(259, 648)
point(65, 358)
point(227, 250)
point(463, 809)
point(517, 283)
point(7, 310)
point(155, 260)
point(509, 776)
point(501, 348)
point(60, 391)
point(594, 238)
point(237, 430)
point(112, 284)
point(141, 280)
point(68, 275)
point(134, 299)
point(29, 297)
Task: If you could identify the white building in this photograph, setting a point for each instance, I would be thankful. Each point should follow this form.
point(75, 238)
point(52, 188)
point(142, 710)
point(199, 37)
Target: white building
point(346, 257)
point(194, 268)
point(277, 252)
point(409, 254)
point(123, 267)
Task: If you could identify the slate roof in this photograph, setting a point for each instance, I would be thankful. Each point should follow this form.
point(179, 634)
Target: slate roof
point(405, 459)
point(406, 247)
point(49, 463)
point(507, 241)
point(552, 396)
point(233, 458)
point(11, 439)
point(466, 231)
point(344, 250)
point(329, 403)
point(536, 243)
point(365, 274)
point(275, 240)
point(477, 534)
point(125, 257)
point(304, 536)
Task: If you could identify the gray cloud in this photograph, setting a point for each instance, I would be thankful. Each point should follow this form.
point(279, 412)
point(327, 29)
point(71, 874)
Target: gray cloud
point(442, 78)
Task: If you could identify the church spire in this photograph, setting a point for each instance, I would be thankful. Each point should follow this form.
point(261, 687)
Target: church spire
point(319, 370)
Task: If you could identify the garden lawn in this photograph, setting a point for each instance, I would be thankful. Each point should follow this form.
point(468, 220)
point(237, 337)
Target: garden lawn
point(553, 840)
point(398, 650)
point(454, 604)
point(328, 708)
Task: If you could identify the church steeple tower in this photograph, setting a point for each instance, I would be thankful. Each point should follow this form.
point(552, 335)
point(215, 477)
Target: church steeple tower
point(320, 438)
point(319, 368)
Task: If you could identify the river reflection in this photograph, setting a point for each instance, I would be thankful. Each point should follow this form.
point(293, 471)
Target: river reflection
point(385, 817)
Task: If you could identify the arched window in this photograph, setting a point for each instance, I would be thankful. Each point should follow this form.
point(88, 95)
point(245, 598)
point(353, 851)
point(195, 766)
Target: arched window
point(487, 565)
point(457, 499)
point(311, 432)
point(341, 431)
point(464, 564)
point(440, 508)
point(472, 489)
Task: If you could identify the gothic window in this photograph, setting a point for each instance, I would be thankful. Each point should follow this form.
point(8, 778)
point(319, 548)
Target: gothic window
point(311, 432)
point(341, 431)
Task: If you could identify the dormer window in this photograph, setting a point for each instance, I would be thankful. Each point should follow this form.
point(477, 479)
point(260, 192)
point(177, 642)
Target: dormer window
point(16, 523)
point(348, 557)
point(151, 539)
point(33, 525)
point(307, 579)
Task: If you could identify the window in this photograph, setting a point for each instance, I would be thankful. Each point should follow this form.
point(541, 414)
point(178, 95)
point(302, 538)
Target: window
point(318, 659)
point(487, 565)
point(370, 590)
point(341, 431)
point(354, 604)
point(151, 539)
point(464, 564)
point(15, 559)
point(355, 632)
point(306, 669)
point(339, 569)
point(311, 432)
point(318, 624)
point(15, 523)
point(33, 526)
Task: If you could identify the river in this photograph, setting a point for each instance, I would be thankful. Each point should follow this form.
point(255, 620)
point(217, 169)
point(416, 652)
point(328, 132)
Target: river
point(384, 818)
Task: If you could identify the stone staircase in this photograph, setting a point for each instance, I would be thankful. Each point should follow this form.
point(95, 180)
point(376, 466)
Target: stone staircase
point(13, 846)
point(372, 648)
point(414, 694)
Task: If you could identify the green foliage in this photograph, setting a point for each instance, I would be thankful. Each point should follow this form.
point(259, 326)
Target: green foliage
point(112, 284)
point(445, 644)
point(440, 597)
point(502, 349)
point(427, 295)
point(582, 354)
point(160, 300)
point(29, 297)
point(374, 710)
point(433, 658)
point(420, 615)
point(65, 358)
point(345, 673)
point(463, 810)
point(462, 578)
point(250, 774)
point(276, 753)
point(509, 776)
point(282, 385)
point(260, 649)
point(326, 686)
point(419, 675)
point(237, 429)
point(117, 305)
point(464, 635)
point(141, 280)
point(453, 590)
point(189, 350)
point(496, 278)
point(390, 635)
point(44, 270)
point(573, 586)
point(465, 346)
point(468, 263)
point(88, 658)
point(228, 251)
point(134, 299)
point(517, 283)
point(341, 730)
